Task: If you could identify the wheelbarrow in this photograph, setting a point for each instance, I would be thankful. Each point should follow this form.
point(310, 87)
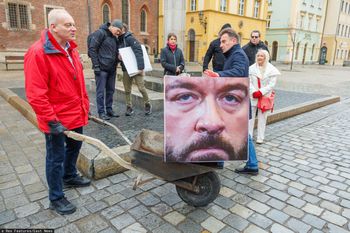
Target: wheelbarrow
point(197, 184)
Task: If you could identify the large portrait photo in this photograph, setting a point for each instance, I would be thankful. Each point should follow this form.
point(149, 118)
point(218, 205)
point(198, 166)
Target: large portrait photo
point(206, 119)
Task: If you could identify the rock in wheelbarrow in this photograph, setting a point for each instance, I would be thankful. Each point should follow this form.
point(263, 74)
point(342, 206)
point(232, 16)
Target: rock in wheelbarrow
point(148, 141)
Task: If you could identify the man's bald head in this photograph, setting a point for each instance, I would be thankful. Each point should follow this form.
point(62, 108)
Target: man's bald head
point(62, 26)
point(56, 15)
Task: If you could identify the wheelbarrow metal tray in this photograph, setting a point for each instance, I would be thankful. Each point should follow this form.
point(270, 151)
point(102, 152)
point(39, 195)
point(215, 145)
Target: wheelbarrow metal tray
point(168, 171)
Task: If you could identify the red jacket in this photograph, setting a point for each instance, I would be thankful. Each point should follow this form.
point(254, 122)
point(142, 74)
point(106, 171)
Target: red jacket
point(55, 87)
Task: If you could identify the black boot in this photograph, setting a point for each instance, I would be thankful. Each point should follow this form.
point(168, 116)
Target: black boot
point(62, 206)
point(111, 113)
point(78, 181)
point(148, 109)
point(129, 111)
point(103, 116)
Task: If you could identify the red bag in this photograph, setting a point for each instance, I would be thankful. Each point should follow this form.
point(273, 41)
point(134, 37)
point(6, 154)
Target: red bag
point(266, 102)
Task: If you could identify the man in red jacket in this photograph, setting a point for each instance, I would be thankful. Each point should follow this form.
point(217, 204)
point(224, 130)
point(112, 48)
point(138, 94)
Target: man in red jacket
point(55, 88)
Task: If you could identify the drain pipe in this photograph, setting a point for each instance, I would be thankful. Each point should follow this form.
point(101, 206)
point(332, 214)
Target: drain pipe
point(89, 14)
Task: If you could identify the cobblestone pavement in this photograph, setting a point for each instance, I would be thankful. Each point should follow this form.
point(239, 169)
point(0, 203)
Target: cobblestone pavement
point(303, 185)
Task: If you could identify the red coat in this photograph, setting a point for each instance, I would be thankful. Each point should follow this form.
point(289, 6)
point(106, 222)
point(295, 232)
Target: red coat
point(55, 87)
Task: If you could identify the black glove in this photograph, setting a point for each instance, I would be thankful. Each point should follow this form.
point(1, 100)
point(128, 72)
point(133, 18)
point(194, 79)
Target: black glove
point(97, 70)
point(56, 127)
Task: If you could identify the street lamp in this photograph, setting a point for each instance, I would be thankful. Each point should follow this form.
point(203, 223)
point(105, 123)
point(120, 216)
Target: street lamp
point(203, 21)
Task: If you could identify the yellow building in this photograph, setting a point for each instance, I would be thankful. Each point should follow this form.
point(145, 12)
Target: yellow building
point(336, 39)
point(202, 20)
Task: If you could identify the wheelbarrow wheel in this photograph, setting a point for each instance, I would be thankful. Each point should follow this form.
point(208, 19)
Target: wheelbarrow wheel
point(209, 188)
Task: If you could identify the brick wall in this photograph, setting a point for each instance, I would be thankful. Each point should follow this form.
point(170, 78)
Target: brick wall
point(14, 41)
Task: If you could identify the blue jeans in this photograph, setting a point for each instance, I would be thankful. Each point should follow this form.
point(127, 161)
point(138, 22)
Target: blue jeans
point(252, 160)
point(105, 81)
point(61, 158)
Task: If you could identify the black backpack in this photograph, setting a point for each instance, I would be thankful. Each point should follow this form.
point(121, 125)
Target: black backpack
point(89, 38)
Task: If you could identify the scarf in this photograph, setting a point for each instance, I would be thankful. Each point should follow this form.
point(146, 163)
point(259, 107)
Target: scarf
point(172, 47)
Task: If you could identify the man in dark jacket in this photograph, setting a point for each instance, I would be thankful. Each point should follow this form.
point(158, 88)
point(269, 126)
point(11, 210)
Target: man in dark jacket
point(253, 46)
point(126, 39)
point(214, 51)
point(103, 51)
point(236, 65)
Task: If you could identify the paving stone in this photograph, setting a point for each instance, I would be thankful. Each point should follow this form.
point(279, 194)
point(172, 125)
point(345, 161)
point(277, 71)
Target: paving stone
point(276, 203)
point(171, 199)
point(151, 221)
point(42, 216)
point(129, 192)
point(198, 215)
point(71, 228)
point(327, 189)
point(148, 199)
point(345, 195)
point(139, 211)
point(26, 210)
point(116, 188)
point(212, 224)
point(174, 217)
point(108, 230)
point(314, 221)
point(346, 213)
point(254, 229)
point(129, 203)
point(260, 220)
point(227, 192)
point(81, 212)
point(9, 184)
point(24, 169)
point(298, 226)
point(166, 228)
point(218, 212)
point(295, 212)
point(345, 203)
point(224, 202)
point(295, 192)
point(103, 183)
point(56, 222)
point(330, 206)
point(114, 199)
point(277, 216)
point(337, 229)
point(86, 190)
point(29, 178)
point(100, 194)
point(297, 185)
point(259, 196)
point(241, 199)
point(296, 202)
point(334, 218)
point(311, 198)
point(7, 216)
point(258, 207)
point(183, 208)
point(91, 223)
point(161, 209)
point(18, 224)
point(236, 222)
point(118, 178)
point(136, 227)
point(16, 201)
point(96, 206)
point(277, 228)
point(112, 212)
point(241, 211)
point(34, 188)
point(12, 191)
point(37, 196)
point(188, 226)
point(278, 194)
point(160, 191)
point(82, 201)
point(329, 197)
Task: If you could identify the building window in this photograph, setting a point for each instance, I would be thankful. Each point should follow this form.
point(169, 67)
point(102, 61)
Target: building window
point(312, 52)
point(143, 21)
point(193, 5)
point(270, 2)
point(241, 7)
point(342, 5)
point(342, 30)
point(223, 5)
point(256, 8)
point(346, 7)
point(105, 13)
point(346, 31)
point(301, 22)
point(268, 20)
point(337, 56)
point(18, 15)
point(317, 24)
point(309, 23)
point(125, 11)
point(338, 29)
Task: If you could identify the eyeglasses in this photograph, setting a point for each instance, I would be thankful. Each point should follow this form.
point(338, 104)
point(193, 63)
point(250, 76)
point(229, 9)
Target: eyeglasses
point(254, 37)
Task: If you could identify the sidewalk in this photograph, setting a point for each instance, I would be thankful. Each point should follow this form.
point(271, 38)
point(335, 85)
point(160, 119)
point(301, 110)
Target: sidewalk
point(303, 185)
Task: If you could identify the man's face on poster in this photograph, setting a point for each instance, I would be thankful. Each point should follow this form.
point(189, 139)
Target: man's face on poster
point(206, 119)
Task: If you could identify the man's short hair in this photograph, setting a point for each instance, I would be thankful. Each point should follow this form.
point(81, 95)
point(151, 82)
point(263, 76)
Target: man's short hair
point(171, 34)
point(255, 31)
point(230, 32)
point(126, 27)
point(56, 14)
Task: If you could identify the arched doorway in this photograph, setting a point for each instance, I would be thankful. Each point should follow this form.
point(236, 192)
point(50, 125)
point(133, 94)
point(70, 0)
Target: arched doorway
point(274, 50)
point(192, 44)
point(304, 55)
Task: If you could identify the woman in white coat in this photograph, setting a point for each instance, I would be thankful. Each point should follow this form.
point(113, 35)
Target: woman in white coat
point(263, 76)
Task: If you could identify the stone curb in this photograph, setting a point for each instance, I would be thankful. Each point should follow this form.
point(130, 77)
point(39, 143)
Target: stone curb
point(94, 164)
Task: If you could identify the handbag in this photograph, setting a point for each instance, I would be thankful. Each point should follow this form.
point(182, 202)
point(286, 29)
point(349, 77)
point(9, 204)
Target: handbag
point(266, 102)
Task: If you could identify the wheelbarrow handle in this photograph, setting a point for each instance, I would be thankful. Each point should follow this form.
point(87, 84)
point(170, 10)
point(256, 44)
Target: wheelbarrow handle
point(103, 122)
point(96, 142)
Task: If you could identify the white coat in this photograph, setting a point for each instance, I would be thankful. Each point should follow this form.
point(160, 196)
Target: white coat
point(267, 80)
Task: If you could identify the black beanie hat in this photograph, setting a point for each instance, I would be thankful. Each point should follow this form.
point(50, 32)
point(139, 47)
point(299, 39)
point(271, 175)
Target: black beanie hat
point(117, 23)
point(226, 25)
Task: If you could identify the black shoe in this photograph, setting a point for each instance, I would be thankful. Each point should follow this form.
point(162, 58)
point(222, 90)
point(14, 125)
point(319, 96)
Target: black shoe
point(62, 206)
point(246, 170)
point(78, 181)
point(103, 116)
point(148, 109)
point(129, 111)
point(111, 113)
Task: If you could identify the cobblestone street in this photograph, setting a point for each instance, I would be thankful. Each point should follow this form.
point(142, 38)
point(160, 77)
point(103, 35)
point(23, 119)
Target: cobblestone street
point(303, 185)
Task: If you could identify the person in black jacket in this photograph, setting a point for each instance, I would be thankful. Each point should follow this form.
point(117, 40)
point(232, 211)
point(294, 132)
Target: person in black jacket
point(171, 57)
point(253, 46)
point(126, 39)
point(103, 51)
point(214, 51)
